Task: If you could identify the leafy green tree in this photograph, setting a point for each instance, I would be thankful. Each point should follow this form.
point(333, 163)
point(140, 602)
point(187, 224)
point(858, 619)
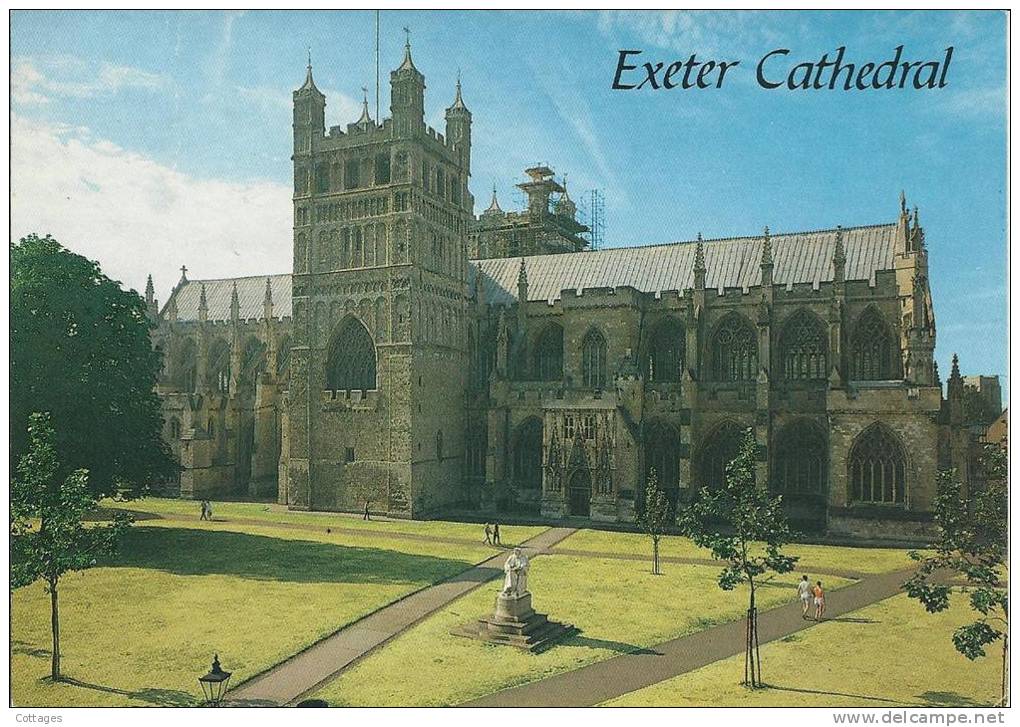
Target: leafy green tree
point(971, 547)
point(745, 527)
point(80, 350)
point(656, 517)
point(49, 536)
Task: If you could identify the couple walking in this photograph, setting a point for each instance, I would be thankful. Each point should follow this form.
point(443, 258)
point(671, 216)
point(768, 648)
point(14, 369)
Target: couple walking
point(492, 534)
point(809, 593)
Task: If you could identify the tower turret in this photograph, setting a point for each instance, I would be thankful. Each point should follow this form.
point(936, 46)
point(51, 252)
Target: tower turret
point(407, 95)
point(309, 114)
point(458, 128)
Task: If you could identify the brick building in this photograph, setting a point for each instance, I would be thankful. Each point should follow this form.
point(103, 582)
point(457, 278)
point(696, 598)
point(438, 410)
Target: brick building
point(427, 360)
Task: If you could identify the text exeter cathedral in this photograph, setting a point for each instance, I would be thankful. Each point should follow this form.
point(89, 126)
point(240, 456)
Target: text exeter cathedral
point(429, 360)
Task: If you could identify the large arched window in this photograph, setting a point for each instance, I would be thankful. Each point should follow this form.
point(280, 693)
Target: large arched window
point(218, 370)
point(877, 467)
point(593, 360)
point(549, 354)
point(666, 351)
point(476, 451)
point(350, 363)
point(872, 350)
point(528, 455)
point(803, 348)
point(253, 362)
point(662, 455)
point(734, 350)
point(185, 367)
point(799, 460)
point(718, 449)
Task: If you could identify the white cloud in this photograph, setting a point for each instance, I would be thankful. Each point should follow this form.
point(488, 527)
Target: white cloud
point(38, 81)
point(136, 216)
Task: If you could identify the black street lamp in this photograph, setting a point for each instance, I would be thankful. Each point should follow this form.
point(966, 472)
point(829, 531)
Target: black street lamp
point(214, 684)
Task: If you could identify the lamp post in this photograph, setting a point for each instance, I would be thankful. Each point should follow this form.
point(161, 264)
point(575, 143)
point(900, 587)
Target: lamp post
point(214, 684)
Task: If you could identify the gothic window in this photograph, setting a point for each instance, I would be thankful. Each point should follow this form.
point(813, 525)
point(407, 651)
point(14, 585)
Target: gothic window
point(345, 248)
point(568, 427)
point(877, 467)
point(283, 358)
point(803, 348)
point(356, 258)
point(734, 350)
point(718, 449)
point(661, 455)
point(300, 252)
point(872, 349)
point(549, 354)
point(799, 460)
point(382, 168)
point(587, 423)
point(528, 455)
point(301, 180)
point(185, 368)
point(352, 174)
point(350, 363)
point(323, 250)
point(219, 366)
point(253, 362)
point(593, 360)
point(321, 178)
point(440, 182)
point(369, 245)
point(175, 429)
point(666, 351)
point(380, 244)
point(455, 188)
point(477, 445)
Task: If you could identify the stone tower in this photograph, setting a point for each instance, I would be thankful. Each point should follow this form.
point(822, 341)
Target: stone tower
point(381, 209)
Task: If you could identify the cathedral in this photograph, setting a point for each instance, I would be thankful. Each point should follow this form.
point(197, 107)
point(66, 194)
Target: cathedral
point(427, 361)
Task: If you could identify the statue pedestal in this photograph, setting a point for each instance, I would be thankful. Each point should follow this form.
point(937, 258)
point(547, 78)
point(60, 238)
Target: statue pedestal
point(515, 623)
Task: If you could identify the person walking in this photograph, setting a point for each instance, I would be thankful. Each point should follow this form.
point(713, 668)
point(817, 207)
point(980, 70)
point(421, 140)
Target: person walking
point(495, 534)
point(202, 511)
point(819, 601)
point(804, 591)
point(488, 533)
point(367, 515)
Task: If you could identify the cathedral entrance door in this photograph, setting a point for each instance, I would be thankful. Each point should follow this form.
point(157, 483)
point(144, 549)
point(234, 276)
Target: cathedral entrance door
point(580, 493)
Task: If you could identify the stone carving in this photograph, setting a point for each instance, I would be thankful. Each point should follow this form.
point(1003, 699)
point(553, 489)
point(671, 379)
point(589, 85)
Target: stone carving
point(516, 569)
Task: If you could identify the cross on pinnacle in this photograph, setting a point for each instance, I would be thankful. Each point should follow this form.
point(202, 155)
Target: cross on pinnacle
point(407, 32)
point(184, 271)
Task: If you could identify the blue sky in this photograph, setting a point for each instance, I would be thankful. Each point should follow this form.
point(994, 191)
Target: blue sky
point(150, 140)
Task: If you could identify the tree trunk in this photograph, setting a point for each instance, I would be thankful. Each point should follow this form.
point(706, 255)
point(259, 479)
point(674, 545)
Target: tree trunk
point(55, 629)
point(655, 556)
point(1005, 668)
point(752, 657)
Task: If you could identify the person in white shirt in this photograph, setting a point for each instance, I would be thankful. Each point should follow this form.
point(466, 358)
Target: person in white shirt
point(804, 591)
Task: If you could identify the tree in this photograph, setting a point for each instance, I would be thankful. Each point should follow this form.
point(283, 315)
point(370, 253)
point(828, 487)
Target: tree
point(745, 527)
point(657, 515)
point(48, 534)
point(80, 350)
point(971, 547)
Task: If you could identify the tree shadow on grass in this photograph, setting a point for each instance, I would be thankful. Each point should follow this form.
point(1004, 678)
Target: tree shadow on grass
point(850, 620)
point(870, 698)
point(26, 649)
point(619, 647)
point(149, 695)
point(949, 699)
point(186, 551)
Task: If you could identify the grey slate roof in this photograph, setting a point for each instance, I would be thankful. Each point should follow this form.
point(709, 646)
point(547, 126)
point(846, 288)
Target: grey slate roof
point(251, 292)
point(800, 257)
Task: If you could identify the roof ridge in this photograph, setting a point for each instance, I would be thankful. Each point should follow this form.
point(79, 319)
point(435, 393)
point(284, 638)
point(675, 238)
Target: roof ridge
point(240, 277)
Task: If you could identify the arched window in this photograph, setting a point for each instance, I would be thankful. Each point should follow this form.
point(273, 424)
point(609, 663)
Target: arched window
point(175, 428)
point(219, 366)
point(593, 360)
point(718, 449)
point(528, 455)
point(734, 350)
point(799, 460)
point(666, 351)
point(350, 363)
point(803, 348)
point(549, 354)
point(185, 367)
point(871, 349)
point(477, 446)
point(877, 467)
point(283, 358)
point(662, 455)
point(253, 362)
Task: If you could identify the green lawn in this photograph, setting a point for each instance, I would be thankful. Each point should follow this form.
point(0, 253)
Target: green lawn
point(140, 629)
point(860, 560)
point(618, 605)
point(895, 654)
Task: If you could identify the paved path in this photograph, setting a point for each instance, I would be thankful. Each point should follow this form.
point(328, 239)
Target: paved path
point(322, 661)
point(604, 680)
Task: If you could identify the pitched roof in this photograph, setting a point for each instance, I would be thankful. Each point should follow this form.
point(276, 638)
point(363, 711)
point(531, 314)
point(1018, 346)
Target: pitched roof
point(251, 293)
point(799, 257)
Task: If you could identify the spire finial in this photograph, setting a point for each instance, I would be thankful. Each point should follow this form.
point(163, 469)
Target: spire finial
point(522, 275)
point(494, 204)
point(309, 58)
point(407, 38)
point(903, 202)
point(184, 274)
point(766, 248)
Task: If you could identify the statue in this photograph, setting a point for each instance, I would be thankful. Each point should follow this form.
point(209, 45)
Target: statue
point(516, 569)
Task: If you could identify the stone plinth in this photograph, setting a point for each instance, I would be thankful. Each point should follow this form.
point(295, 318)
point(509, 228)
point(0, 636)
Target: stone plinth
point(515, 623)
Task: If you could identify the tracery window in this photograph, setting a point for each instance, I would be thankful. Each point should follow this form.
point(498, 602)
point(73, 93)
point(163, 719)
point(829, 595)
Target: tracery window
point(219, 366)
point(350, 363)
point(877, 467)
point(528, 455)
point(872, 349)
point(382, 169)
point(593, 360)
point(734, 350)
point(185, 370)
point(719, 449)
point(666, 352)
point(804, 348)
point(283, 357)
point(799, 460)
point(662, 455)
point(549, 354)
point(253, 363)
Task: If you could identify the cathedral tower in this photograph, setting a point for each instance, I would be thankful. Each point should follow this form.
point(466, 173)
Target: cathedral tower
point(379, 298)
